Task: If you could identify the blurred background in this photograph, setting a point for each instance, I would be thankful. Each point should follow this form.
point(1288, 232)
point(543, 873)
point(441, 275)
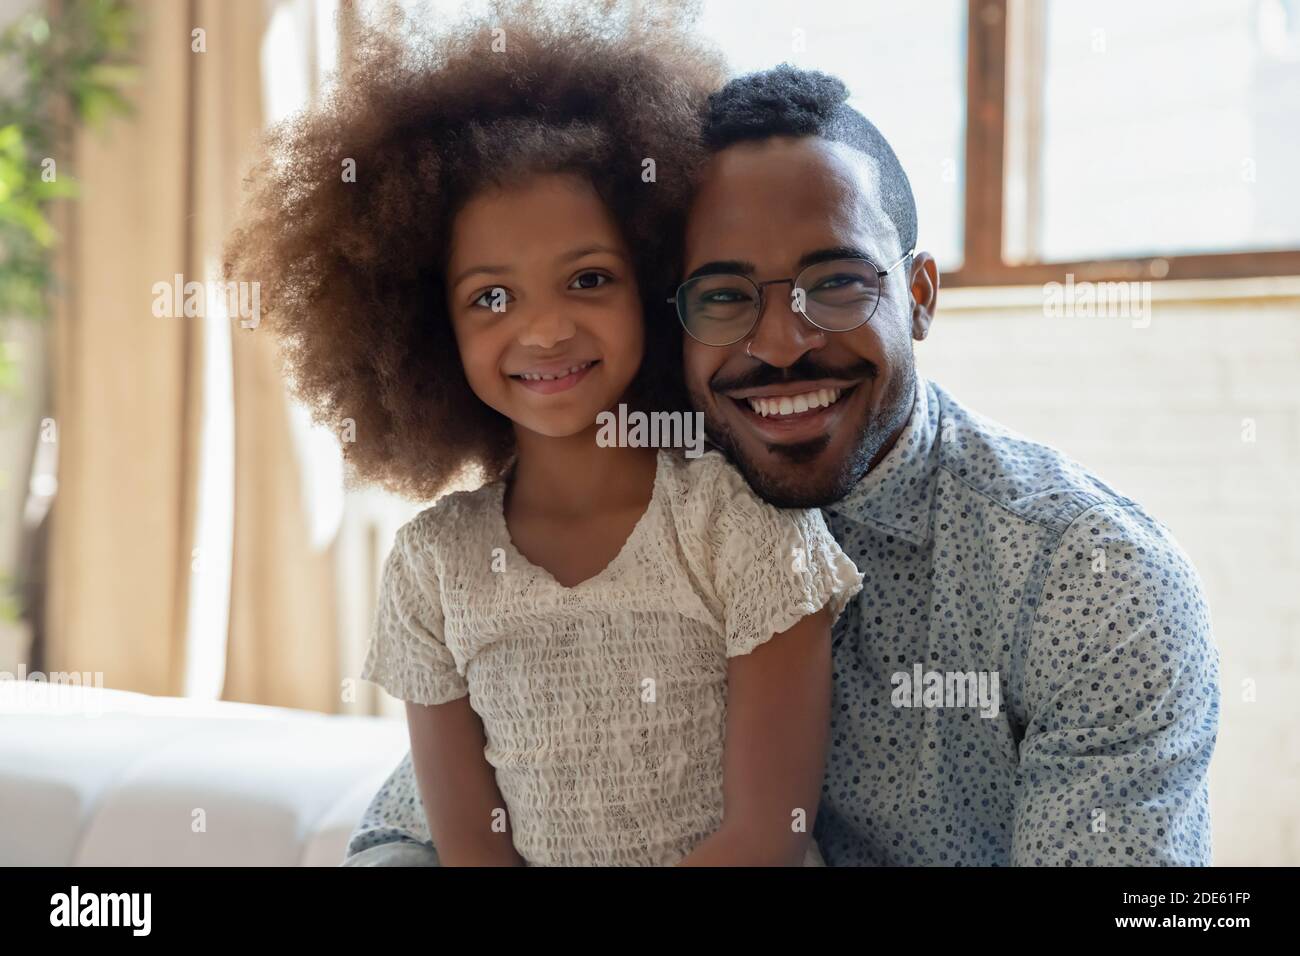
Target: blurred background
point(1111, 190)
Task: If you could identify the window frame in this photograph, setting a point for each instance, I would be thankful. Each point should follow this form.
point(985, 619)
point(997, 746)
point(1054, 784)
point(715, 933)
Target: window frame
point(983, 262)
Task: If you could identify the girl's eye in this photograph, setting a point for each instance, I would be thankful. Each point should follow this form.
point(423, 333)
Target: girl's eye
point(494, 299)
point(589, 280)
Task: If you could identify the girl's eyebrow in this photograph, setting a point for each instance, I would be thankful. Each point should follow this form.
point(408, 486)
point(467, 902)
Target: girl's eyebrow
point(566, 257)
point(591, 250)
point(486, 270)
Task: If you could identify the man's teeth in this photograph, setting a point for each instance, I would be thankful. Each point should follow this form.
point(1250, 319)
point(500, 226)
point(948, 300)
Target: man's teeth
point(795, 404)
point(551, 376)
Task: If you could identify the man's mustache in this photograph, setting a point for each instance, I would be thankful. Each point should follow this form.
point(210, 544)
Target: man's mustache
point(805, 369)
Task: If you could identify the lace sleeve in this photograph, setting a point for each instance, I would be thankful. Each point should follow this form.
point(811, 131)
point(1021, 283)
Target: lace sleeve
point(773, 567)
point(407, 656)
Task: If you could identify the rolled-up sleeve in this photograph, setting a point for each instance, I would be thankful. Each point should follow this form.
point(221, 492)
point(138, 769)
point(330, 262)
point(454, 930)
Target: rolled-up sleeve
point(1122, 696)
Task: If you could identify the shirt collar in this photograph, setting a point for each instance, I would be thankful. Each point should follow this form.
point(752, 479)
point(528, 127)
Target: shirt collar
point(895, 495)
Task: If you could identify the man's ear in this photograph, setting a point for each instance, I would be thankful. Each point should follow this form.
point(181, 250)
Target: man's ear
point(925, 293)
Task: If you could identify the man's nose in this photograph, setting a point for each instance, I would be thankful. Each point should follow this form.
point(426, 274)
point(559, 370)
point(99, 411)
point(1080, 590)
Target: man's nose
point(782, 335)
point(545, 328)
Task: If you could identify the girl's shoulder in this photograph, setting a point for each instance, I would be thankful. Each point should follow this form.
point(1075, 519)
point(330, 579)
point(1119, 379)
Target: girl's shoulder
point(700, 472)
point(459, 517)
point(704, 485)
point(713, 508)
point(761, 568)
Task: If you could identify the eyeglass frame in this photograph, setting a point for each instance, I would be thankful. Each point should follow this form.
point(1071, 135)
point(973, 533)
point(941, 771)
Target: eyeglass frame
point(761, 288)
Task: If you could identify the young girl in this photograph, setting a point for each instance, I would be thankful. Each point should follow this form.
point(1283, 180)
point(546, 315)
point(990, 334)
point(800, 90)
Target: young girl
point(609, 655)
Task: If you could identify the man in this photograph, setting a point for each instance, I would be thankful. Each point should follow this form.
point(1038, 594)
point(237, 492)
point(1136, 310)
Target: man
point(1028, 676)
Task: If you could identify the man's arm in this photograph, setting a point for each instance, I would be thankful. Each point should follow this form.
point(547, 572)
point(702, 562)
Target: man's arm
point(778, 714)
point(1122, 695)
point(467, 816)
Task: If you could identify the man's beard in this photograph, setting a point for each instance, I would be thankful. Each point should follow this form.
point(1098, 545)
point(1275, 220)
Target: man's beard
point(807, 488)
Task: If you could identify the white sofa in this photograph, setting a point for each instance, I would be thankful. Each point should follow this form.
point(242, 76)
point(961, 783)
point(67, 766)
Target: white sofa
point(108, 778)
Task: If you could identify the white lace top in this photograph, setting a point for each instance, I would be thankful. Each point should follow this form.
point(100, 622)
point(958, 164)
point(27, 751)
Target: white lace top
point(603, 704)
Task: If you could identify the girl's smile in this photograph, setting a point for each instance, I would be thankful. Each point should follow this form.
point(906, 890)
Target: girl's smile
point(549, 379)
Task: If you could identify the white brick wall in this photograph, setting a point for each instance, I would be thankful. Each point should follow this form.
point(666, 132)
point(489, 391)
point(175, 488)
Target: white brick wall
point(1157, 413)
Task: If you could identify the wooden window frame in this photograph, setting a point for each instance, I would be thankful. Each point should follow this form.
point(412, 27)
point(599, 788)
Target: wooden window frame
point(983, 263)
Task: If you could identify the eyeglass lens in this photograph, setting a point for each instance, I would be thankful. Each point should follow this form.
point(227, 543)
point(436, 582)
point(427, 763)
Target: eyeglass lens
point(837, 296)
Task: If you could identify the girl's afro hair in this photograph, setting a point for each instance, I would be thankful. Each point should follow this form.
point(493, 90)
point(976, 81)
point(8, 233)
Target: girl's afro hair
point(350, 205)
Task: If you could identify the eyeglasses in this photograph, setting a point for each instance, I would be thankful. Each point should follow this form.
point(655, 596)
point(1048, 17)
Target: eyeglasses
point(838, 295)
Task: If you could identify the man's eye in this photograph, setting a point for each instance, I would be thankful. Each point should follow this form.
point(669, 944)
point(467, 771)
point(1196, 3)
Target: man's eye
point(589, 280)
point(724, 296)
point(837, 282)
point(494, 299)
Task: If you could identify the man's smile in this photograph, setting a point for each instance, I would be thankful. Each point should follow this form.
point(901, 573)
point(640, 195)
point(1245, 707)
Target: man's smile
point(793, 412)
point(797, 404)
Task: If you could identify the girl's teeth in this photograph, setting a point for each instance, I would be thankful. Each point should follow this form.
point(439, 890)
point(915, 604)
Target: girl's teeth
point(796, 404)
point(538, 377)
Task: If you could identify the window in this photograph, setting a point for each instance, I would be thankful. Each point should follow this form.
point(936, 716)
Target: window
point(1121, 140)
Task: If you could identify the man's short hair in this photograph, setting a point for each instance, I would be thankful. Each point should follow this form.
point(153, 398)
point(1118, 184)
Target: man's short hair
point(788, 101)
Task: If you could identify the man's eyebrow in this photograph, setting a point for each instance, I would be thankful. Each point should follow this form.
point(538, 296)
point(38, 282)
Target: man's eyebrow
point(834, 252)
point(741, 267)
point(723, 267)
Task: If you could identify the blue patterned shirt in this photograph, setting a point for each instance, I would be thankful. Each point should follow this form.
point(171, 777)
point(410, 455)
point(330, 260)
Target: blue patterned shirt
point(1028, 676)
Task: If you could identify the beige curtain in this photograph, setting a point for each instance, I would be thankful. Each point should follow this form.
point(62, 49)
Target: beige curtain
point(283, 640)
point(160, 191)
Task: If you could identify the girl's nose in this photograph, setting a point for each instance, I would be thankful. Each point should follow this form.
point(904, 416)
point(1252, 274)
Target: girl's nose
point(546, 329)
